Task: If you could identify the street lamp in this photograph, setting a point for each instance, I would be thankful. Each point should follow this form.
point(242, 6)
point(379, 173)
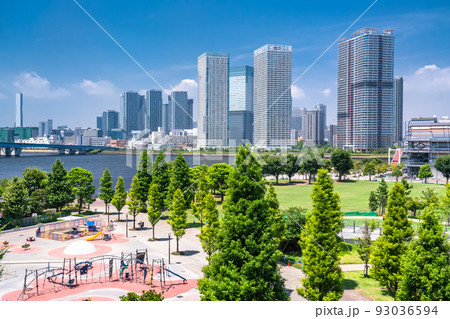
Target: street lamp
point(169, 247)
point(126, 226)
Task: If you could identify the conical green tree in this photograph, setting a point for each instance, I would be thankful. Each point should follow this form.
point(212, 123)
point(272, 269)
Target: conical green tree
point(382, 194)
point(16, 202)
point(391, 245)
point(208, 234)
point(180, 178)
point(178, 216)
point(321, 244)
point(373, 202)
point(120, 198)
point(244, 267)
point(426, 264)
point(134, 202)
point(161, 174)
point(59, 188)
point(106, 190)
point(155, 205)
point(202, 190)
point(144, 178)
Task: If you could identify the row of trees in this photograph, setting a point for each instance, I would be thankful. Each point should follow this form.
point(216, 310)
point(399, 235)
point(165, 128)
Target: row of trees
point(410, 268)
point(308, 163)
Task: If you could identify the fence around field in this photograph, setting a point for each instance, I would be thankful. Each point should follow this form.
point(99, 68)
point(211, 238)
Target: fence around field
point(34, 220)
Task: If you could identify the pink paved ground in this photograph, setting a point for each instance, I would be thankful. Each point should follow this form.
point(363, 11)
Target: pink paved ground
point(54, 291)
point(59, 252)
point(20, 250)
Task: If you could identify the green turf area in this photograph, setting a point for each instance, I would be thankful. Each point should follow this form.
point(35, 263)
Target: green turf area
point(366, 286)
point(354, 194)
point(349, 254)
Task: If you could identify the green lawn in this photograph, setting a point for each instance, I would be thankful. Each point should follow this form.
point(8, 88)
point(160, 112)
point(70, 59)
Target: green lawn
point(354, 194)
point(349, 254)
point(365, 286)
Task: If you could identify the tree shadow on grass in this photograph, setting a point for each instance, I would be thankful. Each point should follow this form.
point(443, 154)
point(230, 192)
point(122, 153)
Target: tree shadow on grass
point(346, 181)
point(350, 284)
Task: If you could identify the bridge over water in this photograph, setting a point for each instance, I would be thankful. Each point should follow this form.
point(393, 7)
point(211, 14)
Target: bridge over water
point(14, 149)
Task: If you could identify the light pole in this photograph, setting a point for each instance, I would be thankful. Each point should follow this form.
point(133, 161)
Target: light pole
point(126, 226)
point(169, 247)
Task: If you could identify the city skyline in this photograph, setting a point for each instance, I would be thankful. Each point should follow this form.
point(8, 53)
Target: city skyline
point(99, 71)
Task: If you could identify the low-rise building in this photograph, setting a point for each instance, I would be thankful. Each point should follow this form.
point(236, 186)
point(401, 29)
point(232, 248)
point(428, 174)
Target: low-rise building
point(427, 139)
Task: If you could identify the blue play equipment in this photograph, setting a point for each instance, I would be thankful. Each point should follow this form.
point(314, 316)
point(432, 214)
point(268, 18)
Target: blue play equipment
point(83, 267)
point(171, 272)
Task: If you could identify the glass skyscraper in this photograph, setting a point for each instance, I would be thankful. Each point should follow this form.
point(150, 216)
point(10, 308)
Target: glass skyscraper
point(398, 109)
point(153, 110)
point(132, 112)
point(241, 88)
point(180, 111)
point(365, 90)
point(272, 102)
point(19, 110)
point(213, 99)
point(241, 105)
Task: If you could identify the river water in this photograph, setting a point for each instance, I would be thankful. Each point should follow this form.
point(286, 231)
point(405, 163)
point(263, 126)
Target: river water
point(118, 164)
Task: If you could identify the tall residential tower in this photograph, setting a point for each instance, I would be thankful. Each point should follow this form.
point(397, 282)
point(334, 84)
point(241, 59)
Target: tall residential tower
point(398, 109)
point(365, 103)
point(272, 102)
point(19, 110)
point(213, 99)
point(241, 105)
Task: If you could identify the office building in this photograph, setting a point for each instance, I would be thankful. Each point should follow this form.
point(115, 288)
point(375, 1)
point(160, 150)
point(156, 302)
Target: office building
point(132, 112)
point(213, 99)
point(25, 133)
point(332, 140)
point(296, 121)
point(398, 109)
point(313, 125)
point(110, 121)
point(100, 122)
point(153, 107)
point(241, 88)
point(427, 138)
point(365, 106)
point(241, 129)
point(165, 119)
point(19, 110)
point(180, 111)
point(45, 128)
point(272, 103)
point(7, 134)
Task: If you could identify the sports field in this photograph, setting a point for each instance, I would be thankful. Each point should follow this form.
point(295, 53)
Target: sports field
point(354, 194)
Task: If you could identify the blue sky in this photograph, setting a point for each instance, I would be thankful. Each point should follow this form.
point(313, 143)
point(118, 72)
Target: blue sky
point(70, 70)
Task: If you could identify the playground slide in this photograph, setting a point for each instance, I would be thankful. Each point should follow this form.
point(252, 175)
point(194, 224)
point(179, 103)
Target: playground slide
point(95, 236)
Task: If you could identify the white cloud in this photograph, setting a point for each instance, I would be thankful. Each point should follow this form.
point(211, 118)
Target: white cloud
point(297, 93)
point(32, 85)
point(326, 92)
point(427, 92)
point(99, 88)
point(188, 85)
point(431, 67)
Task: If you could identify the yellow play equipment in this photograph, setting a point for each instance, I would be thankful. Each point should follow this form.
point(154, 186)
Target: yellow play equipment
point(95, 236)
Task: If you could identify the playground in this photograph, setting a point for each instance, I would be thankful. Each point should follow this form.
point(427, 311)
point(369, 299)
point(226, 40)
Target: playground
point(93, 259)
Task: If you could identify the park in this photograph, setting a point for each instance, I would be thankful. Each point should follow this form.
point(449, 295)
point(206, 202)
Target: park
point(110, 246)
